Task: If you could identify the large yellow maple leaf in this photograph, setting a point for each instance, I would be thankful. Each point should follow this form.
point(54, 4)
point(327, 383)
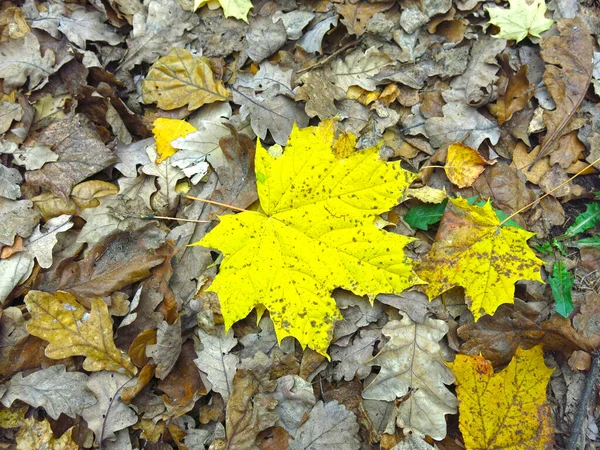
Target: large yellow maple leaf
point(523, 18)
point(474, 251)
point(316, 231)
point(506, 410)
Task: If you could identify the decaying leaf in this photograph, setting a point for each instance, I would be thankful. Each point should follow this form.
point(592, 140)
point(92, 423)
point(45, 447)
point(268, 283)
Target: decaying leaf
point(517, 94)
point(71, 330)
point(38, 434)
point(167, 348)
point(316, 233)
point(463, 165)
point(472, 250)
point(507, 409)
point(523, 18)
point(54, 389)
point(411, 365)
point(180, 79)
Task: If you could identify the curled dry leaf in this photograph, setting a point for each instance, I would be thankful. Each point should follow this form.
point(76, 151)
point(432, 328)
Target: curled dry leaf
point(474, 251)
point(517, 94)
point(71, 331)
point(180, 79)
point(411, 365)
point(507, 409)
point(318, 233)
point(463, 165)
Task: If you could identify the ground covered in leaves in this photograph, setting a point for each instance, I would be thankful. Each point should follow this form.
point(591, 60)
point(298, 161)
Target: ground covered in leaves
point(394, 208)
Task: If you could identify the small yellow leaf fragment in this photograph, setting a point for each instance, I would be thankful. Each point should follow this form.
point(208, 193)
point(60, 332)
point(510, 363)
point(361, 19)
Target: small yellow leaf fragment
point(166, 131)
point(472, 250)
point(180, 79)
point(316, 231)
point(428, 194)
point(506, 410)
point(231, 8)
point(38, 434)
point(523, 18)
point(463, 165)
point(73, 331)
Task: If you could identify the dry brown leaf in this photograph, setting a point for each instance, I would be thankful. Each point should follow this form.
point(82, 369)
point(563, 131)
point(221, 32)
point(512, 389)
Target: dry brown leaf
point(180, 79)
point(518, 92)
point(522, 161)
point(356, 16)
point(72, 331)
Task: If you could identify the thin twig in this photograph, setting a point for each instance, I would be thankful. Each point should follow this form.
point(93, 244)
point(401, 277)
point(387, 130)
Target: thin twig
point(550, 192)
point(212, 202)
point(151, 217)
point(583, 402)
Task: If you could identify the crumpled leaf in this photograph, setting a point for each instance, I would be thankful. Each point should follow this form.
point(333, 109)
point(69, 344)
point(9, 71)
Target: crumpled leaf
point(71, 331)
point(353, 357)
point(356, 16)
point(165, 201)
point(215, 360)
point(17, 218)
point(166, 131)
point(20, 59)
point(359, 69)
point(330, 426)
point(109, 414)
point(41, 243)
point(461, 123)
point(411, 362)
point(11, 111)
point(31, 157)
point(523, 18)
point(507, 409)
point(320, 93)
point(14, 271)
point(38, 434)
point(312, 40)
point(180, 79)
point(295, 398)
point(10, 179)
point(517, 94)
point(231, 8)
point(54, 389)
point(167, 348)
point(264, 38)
point(316, 233)
point(472, 250)
point(463, 165)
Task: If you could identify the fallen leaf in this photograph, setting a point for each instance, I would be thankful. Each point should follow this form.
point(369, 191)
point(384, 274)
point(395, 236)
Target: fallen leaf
point(295, 398)
point(561, 281)
point(353, 357)
point(312, 40)
point(165, 200)
point(507, 409)
point(320, 93)
point(463, 165)
point(166, 131)
point(109, 415)
point(411, 366)
point(166, 350)
point(71, 330)
point(586, 220)
point(31, 157)
point(231, 8)
point(180, 79)
point(522, 19)
point(472, 250)
point(328, 424)
point(215, 359)
point(40, 243)
point(359, 69)
point(265, 38)
point(10, 179)
point(517, 94)
point(356, 16)
point(327, 219)
point(588, 320)
point(54, 389)
point(38, 434)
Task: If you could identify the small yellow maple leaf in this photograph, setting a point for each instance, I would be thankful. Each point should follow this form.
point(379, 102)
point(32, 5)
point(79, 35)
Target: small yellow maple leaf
point(73, 331)
point(315, 232)
point(523, 18)
point(506, 410)
point(472, 250)
point(166, 131)
point(463, 165)
point(231, 8)
point(180, 79)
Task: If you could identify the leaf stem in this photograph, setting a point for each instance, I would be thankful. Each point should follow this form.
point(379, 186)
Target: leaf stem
point(549, 192)
point(212, 202)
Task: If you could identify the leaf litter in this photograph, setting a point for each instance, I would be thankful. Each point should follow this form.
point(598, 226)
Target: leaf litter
point(393, 206)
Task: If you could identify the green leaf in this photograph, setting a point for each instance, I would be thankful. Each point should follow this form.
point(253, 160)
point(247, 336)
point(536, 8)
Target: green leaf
point(593, 242)
point(585, 220)
point(561, 282)
point(421, 216)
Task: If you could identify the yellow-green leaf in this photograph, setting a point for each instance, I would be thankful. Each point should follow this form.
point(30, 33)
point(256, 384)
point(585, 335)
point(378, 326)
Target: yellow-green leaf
point(73, 331)
point(166, 131)
point(472, 250)
point(506, 410)
point(523, 18)
point(316, 231)
point(231, 8)
point(180, 79)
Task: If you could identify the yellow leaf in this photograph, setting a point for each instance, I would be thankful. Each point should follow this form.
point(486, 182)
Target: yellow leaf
point(463, 165)
point(428, 194)
point(166, 131)
point(38, 434)
point(231, 8)
point(180, 79)
point(315, 232)
point(506, 410)
point(523, 18)
point(472, 250)
point(73, 331)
